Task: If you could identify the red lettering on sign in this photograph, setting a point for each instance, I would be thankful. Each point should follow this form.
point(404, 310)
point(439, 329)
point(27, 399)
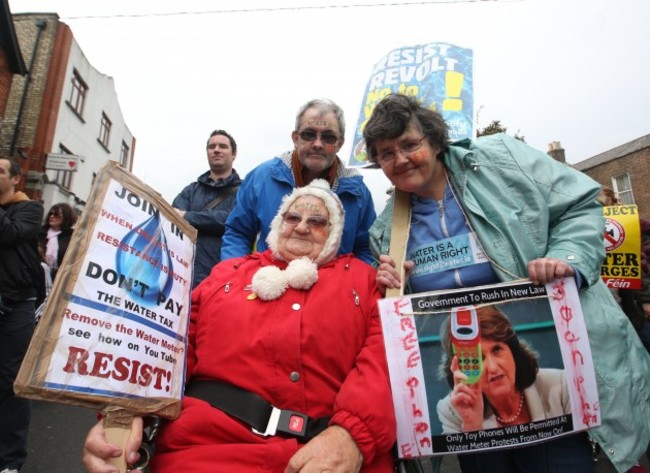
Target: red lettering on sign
point(102, 365)
point(406, 450)
point(413, 359)
point(589, 413)
point(412, 382)
point(410, 341)
point(421, 427)
point(406, 323)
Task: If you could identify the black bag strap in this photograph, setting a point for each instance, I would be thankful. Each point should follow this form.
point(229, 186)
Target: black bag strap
point(263, 418)
point(227, 192)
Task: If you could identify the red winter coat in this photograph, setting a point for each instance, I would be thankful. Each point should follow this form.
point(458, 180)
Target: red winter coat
point(330, 336)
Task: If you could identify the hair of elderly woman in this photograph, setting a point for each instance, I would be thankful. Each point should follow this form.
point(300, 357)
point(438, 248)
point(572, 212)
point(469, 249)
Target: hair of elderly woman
point(67, 212)
point(496, 327)
point(393, 115)
point(323, 106)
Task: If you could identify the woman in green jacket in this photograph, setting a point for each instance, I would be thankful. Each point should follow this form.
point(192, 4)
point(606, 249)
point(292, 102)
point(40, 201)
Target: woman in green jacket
point(524, 215)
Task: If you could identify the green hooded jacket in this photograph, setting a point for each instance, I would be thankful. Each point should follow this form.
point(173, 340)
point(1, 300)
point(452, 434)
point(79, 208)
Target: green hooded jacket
point(524, 205)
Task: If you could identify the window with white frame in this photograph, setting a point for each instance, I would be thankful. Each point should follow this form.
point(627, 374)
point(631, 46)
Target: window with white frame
point(622, 185)
point(105, 130)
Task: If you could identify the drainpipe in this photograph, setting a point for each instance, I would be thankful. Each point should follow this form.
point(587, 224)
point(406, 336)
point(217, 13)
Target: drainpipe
point(41, 25)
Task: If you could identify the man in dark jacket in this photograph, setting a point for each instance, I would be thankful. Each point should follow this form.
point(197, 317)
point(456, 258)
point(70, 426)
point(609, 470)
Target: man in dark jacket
point(21, 282)
point(206, 203)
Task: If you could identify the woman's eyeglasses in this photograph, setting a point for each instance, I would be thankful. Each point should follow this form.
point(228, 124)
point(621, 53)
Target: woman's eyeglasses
point(314, 221)
point(327, 138)
point(54, 214)
point(405, 148)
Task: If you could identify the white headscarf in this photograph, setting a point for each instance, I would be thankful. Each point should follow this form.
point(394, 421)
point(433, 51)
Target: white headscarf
point(270, 282)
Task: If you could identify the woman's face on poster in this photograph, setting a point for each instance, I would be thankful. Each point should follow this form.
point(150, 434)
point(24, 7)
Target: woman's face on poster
point(498, 378)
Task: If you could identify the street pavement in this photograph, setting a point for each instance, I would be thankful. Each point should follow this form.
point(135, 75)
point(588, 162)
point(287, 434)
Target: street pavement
point(56, 437)
point(57, 433)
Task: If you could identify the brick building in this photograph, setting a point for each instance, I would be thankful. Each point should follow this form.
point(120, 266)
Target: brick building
point(61, 106)
point(626, 170)
point(11, 59)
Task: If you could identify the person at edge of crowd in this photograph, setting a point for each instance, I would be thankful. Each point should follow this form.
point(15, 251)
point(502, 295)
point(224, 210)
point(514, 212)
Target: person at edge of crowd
point(607, 197)
point(645, 284)
point(56, 233)
point(319, 134)
point(296, 325)
point(206, 203)
point(634, 301)
point(21, 288)
point(523, 214)
point(512, 388)
point(643, 298)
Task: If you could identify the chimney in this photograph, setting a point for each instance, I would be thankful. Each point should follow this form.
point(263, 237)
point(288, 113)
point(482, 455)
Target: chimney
point(556, 151)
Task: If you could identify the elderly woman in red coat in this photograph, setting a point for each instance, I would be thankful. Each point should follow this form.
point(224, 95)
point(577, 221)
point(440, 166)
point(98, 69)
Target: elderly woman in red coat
point(297, 327)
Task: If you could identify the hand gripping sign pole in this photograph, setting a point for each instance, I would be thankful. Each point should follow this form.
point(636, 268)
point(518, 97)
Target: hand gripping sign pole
point(113, 336)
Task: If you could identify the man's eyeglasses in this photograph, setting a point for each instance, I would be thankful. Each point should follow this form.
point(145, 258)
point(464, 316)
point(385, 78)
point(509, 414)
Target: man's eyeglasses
point(314, 221)
point(406, 148)
point(327, 138)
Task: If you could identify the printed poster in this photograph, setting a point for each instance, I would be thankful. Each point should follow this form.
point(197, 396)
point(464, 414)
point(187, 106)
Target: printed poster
point(114, 331)
point(622, 238)
point(488, 367)
point(438, 74)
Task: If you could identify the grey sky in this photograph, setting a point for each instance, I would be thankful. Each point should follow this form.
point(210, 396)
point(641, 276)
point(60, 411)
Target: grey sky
point(573, 71)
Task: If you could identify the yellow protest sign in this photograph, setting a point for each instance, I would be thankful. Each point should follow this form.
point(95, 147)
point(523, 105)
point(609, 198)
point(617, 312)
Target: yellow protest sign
point(622, 239)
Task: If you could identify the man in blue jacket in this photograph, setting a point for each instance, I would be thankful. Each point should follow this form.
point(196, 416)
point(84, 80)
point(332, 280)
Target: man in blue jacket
point(206, 203)
point(318, 135)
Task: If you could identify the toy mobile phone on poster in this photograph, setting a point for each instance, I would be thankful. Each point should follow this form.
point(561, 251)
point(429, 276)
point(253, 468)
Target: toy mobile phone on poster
point(466, 342)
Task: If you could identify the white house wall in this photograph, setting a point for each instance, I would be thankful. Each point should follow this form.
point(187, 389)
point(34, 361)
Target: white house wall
point(81, 137)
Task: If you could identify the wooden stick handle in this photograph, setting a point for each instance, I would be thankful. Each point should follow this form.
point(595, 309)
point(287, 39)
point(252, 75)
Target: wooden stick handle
point(399, 237)
point(117, 428)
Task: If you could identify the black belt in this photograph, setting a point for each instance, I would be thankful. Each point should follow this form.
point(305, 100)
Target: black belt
point(262, 417)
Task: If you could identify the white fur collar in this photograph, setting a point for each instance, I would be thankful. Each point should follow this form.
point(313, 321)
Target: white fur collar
point(270, 282)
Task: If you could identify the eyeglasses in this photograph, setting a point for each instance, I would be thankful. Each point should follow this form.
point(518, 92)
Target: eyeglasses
point(327, 138)
point(54, 214)
point(406, 148)
point(315, 221)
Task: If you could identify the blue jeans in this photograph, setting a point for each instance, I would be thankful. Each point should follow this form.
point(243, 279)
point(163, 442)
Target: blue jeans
point(16, 329)
point(569, 454)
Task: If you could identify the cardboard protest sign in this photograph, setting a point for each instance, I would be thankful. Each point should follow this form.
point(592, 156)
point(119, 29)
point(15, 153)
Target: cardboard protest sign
point(438, 74)
point(488, 367)
point(622, 238)
point(114, 330)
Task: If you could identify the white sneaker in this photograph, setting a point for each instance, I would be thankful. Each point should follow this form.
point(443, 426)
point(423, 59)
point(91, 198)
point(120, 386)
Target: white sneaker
point(9, 470)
